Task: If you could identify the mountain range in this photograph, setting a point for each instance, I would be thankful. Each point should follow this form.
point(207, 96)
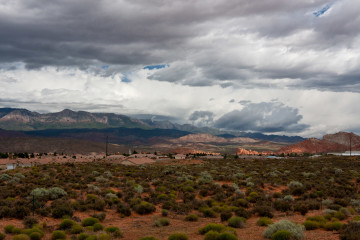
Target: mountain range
point(25, 120)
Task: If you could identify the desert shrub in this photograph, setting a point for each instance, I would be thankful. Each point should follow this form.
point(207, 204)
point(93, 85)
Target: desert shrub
point(35, 236)
point(100, 216)
point(281, 235)
point(208, 212)
point(148, 238)
point(264, 221)
point(356, 218)
point(211, 235)
point(40, 193)
point(2, 236)
point(178, 236)
point(98, 227)
point(21, 237)
point(333, 226)
point(319, 219)
point(164, 212)
point(297, 231)
point(237, 222)
point(91, 237)
point(302, 208)
point(89, 228)
point(76, 229)
point(191, 218)
point(295, 184)
point(123, 209)
point(20, 212)
point(281, 205)
point(340, 215)
point(89, 221)
point(66, 224)
point(61, 208)
point(225, 215)
point(82, 236)
point(161, 222)
point(311, 225)
point(263, 211)
point(56, 192)
point(29, 221)
point(103, 236)
point(16, 230)
point(9, 228)
point(114, 231)
point(212, 227)
point(144, 208)
point(351, 231)
point(58, 235)
point(242, 212)
point(205, 177)
point(226, 236)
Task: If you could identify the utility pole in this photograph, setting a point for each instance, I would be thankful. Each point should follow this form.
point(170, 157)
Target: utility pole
point(106, 148)
point(350, 138)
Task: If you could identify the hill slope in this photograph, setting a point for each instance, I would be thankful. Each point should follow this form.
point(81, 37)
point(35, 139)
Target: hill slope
point(338, 142)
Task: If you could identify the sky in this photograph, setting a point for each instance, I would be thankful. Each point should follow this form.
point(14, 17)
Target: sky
point(275, 66)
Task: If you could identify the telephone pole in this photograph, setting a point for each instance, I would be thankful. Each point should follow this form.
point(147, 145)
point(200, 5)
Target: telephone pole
point(106, 148)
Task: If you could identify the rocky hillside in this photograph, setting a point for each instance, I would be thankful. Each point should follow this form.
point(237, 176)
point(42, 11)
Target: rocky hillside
point(22, 119)
point(338, 142)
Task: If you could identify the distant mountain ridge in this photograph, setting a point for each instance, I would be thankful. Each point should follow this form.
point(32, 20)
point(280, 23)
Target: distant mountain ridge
point(25, 120)
point(338, 142)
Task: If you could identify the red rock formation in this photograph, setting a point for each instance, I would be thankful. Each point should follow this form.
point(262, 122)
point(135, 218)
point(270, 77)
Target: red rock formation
point(241, 151)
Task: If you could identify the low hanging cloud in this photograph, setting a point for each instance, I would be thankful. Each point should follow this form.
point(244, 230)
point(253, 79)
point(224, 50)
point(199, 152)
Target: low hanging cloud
point(202, 118)
point(263, 117)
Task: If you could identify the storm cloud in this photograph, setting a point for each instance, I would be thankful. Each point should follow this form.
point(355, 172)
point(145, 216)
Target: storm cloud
point(241, 44)
point(202, 118)
point(263, 117)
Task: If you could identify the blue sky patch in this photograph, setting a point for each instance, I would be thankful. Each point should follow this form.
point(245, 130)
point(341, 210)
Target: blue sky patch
point(322, 11)
point(152, 67)
point(125, 79)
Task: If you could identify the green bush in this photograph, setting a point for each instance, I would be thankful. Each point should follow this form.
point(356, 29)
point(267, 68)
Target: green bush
point(281, 235)
point(82, 236)
point(21, 237)
point(58, 235)
point(333, 226)
point(161, 222)
point(16, 230)
point(148, 238)
point(35, 236)
point(178, 236)
point(66, 224)
point(264, 221)
point(237, 222)
point(89, 221)
point(29, 221)
point(98, 227)
point(2, 236)
point(9, 228)
point(144, 208)
point(311, 225)
point(191, 218)
point(91, 237)
point(104, 236)
point(211, 235)
point(76, 229)
point(296, 230)
point(212, 227)
point(114, 231)
point(351, 231)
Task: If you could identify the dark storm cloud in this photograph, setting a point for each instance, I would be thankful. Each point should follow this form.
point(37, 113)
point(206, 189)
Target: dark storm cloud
point(202, 118)
point(262, 117)
point(228, 43)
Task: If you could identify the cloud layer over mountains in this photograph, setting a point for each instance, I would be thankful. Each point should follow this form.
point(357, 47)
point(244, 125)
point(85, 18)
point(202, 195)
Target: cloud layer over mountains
point(98, 54)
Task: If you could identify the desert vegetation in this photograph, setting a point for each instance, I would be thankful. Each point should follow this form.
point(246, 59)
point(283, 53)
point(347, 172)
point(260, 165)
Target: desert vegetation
point(217, 199)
